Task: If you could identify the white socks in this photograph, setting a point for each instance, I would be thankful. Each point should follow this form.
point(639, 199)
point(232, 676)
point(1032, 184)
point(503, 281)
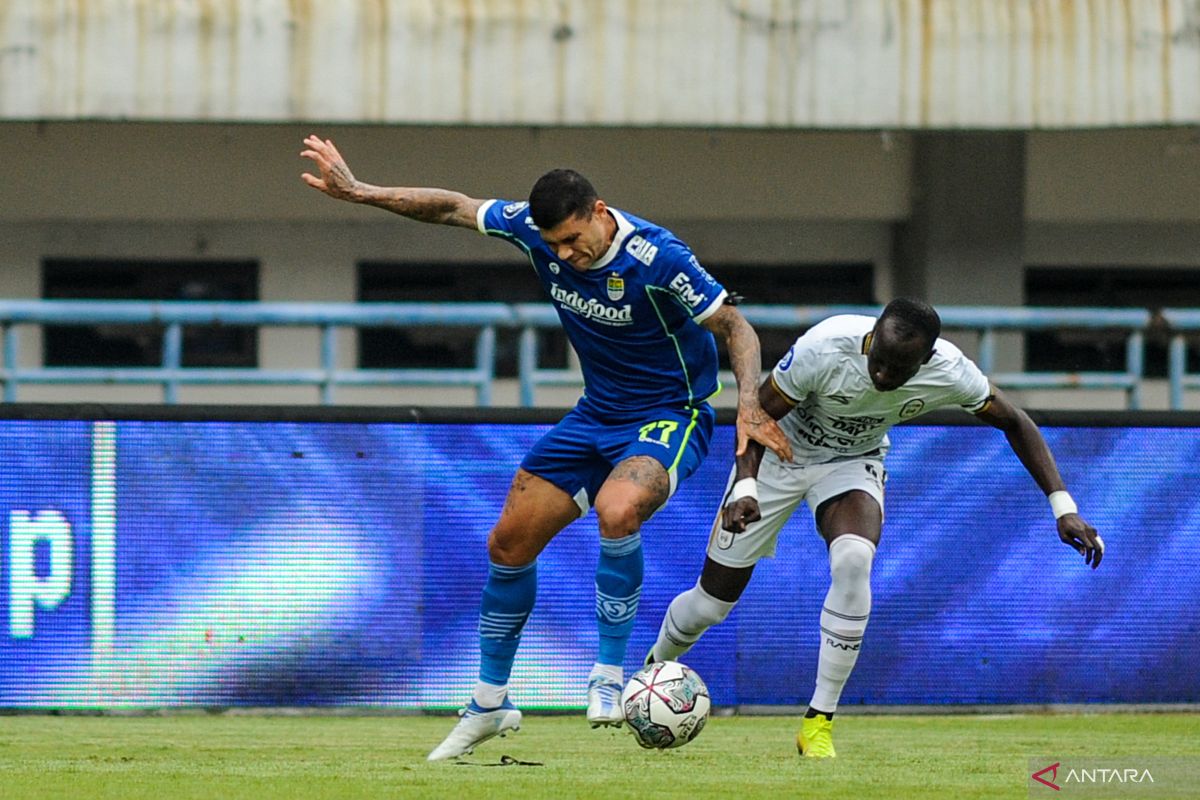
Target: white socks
point(688, 617)
point(843, 618)
point(609, 672)
point(487, 695)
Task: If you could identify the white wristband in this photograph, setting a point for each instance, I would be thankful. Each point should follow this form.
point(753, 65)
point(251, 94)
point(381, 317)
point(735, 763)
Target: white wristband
point(746, 487)
point(1062, 504)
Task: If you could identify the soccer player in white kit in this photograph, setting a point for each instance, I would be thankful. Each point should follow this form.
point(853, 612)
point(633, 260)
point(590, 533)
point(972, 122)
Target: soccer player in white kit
point(836, 393)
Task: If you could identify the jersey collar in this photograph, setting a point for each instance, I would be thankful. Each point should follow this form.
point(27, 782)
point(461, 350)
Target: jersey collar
point(624, 228)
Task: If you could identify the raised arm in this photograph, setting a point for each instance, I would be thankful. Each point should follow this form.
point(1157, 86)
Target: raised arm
point(438, 206)
point(1027, 442)
point(741, 506)
point(746, 360)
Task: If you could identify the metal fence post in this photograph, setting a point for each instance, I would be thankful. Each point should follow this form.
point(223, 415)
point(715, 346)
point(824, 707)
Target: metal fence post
point(527, 361)
point(485, 363)
point(171, 360)
point(987, 350)
point(328, 363)
point(10, 362)
point(1135, 356)
point(1176, 368)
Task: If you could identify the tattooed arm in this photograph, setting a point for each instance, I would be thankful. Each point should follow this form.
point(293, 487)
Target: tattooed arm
point(746, 359)
point(438, 206)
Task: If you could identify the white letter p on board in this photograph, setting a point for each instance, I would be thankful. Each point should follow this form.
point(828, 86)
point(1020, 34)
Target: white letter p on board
point(26, 589)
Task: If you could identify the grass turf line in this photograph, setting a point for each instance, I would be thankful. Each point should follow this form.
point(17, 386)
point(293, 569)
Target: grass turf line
point(303, 758)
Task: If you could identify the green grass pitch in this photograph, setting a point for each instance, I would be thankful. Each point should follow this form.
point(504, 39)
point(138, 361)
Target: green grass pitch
point(302, 757)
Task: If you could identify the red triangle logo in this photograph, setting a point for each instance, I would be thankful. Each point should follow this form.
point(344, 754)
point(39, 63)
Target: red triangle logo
point(1053, 770)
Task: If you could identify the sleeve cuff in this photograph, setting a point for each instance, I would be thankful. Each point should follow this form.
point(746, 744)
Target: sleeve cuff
point(481, 214)
point(711, 308)
point(779, 391)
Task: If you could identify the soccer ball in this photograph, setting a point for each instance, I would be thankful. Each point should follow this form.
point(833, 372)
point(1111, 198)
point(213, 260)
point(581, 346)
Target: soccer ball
point(666, 705)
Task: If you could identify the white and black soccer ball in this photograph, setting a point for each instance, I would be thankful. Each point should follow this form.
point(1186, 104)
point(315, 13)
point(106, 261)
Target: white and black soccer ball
point(666, 705)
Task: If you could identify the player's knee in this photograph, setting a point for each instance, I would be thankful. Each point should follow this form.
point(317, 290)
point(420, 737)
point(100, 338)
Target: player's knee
point(712, 610)
point(618, 519)
point(850, 560)
point(508, 551)
point(699, 610)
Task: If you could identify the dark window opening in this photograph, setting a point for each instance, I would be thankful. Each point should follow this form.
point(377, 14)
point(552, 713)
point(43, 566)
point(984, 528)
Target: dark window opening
point(1105, 287)
point(505, 282)
point(128, 345)
point(793, 285)
point(422, 347)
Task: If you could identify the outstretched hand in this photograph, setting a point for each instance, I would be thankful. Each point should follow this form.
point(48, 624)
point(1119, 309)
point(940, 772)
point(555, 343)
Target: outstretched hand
point(737, 515)
point(755, 423)
point(1076, 533)
point(336, 179)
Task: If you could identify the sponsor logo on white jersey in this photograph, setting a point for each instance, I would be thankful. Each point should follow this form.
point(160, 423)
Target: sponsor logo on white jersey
point(912, 408)
point(592, 308)
point(642, 250)
point(786, 361)
point(682, 287)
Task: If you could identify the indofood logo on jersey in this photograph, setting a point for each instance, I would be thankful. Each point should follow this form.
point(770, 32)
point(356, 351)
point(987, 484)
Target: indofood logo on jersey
point(592, 308)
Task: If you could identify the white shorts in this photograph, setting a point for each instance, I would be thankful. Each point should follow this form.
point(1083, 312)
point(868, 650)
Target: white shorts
point(782, 488)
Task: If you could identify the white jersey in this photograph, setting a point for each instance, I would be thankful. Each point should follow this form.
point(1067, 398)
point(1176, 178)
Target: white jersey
point(839, 413)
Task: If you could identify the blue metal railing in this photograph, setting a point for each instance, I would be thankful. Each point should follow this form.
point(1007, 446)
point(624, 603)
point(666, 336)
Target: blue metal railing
point(1180, 322)
point(328, 317)
point(984, 321)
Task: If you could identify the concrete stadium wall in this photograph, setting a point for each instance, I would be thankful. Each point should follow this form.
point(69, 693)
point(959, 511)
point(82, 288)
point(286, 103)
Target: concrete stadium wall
point(986, 64)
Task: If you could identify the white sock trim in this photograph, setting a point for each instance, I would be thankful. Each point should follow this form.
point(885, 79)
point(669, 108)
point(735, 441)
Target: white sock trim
point(612, 673)
point(488, 695)
point(847, 538)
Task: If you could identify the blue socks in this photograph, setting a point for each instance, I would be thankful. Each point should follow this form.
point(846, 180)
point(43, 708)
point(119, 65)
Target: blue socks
point(618, 588)
point(508, 597)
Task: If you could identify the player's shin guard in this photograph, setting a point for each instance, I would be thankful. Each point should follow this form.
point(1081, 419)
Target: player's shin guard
point(688, 617)
point(843, 618)
point(618, 589)
point(508, 597)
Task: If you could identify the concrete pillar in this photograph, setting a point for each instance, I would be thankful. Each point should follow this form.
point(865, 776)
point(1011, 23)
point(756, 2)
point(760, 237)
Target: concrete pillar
point(964, 241)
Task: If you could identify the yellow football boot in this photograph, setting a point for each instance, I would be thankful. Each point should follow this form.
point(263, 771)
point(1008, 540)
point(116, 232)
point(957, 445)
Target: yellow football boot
point(815, 739)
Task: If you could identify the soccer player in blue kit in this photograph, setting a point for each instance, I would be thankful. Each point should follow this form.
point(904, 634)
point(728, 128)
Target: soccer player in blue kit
point(640, 312)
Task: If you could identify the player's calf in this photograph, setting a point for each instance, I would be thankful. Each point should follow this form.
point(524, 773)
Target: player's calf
point(688, 617)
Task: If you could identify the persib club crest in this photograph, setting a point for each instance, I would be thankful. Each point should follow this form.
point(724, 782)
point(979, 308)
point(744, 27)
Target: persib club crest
point(616, 287)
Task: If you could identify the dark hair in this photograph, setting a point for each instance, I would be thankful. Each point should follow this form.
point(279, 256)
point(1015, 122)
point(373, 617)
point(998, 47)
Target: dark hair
point(911, 317)
point(559, 195)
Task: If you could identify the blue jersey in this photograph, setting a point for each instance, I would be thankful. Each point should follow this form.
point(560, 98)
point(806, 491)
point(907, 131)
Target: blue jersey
point(633, 317)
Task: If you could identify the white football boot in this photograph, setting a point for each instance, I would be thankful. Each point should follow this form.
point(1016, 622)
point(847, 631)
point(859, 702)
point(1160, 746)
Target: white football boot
point(475, 726)
point(604, 702)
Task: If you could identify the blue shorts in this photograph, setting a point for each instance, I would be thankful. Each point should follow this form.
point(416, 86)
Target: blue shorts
point(578, 453)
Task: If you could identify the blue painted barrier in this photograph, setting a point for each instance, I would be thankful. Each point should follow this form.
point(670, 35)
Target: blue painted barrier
point(983, 321)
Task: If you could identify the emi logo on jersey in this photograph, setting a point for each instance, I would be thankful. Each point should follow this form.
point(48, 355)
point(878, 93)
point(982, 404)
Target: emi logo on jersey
point(616, 287)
